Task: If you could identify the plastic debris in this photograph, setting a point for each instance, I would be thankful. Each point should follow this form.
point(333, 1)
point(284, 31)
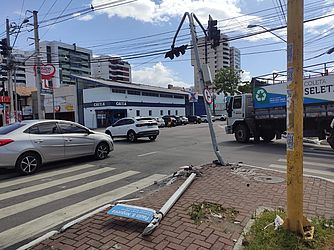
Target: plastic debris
point(278, 222)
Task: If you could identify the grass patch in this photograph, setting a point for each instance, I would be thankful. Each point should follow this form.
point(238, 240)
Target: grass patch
point(258, 238)
point(207, 211)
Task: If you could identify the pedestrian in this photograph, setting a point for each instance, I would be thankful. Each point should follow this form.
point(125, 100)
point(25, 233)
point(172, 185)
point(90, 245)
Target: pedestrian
point(330, 139)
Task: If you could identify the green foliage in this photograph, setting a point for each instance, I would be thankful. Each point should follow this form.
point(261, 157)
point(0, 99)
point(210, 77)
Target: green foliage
point(226, 81)
point(260, 238)
point(245, 88)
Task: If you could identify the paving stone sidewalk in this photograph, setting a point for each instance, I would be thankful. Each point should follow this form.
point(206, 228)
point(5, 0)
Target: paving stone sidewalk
point(231, 188)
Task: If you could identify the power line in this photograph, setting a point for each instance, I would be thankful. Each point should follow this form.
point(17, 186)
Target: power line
point(47, 13)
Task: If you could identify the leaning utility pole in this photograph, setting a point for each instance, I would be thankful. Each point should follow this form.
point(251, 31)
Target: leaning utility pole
point(9, 75)
point(38, 67)
point(296, 221)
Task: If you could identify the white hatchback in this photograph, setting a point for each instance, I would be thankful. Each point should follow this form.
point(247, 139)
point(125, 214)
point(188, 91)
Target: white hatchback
point(133, 128)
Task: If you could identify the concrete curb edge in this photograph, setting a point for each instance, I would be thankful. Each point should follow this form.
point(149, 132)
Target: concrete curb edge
point(281, 171)
point(38, 240)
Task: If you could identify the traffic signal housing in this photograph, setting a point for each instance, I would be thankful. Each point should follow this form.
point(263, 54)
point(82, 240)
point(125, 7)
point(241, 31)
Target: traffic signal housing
point(176, 51)
point(4, 48)
point(213, 32)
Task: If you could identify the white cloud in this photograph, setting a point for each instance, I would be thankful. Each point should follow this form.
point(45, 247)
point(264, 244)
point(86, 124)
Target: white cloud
point(86, 17)
point(164, 10)
point(157, 75)
point(246, 76)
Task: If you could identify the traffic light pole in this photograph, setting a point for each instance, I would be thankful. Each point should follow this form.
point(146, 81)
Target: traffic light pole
point(38, 67)
point(9, 76)
point(202, 85)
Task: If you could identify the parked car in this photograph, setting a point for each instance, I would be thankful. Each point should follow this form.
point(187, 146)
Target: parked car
point(160, 121)
point(184, 120)
point(194, 119)
point(178, 120)
point(170, 121)
point(28, 144)
point(133, 128)
point(204, 118)
point(223, 117)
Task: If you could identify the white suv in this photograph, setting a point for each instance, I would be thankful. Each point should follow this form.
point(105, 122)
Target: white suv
point(133, 128)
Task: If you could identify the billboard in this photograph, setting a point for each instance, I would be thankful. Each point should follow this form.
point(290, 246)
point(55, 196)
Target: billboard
point(316, 90)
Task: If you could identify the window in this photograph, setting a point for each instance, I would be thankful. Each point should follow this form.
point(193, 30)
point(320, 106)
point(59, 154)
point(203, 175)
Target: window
point(120, 91)
point(178, 96)
point(168, 112)
point(161, 112)
point(133, 92)
point(166, 96)
point(7, 129)
point(48, 128)
point(176, 112)
point(69, 128)
point(150, 113)
point(237, 102)
point(150, 94)
point(137, 112)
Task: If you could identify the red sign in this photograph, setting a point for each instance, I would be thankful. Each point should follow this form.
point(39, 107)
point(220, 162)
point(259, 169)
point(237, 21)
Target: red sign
point(4, 99)
point(47, 71)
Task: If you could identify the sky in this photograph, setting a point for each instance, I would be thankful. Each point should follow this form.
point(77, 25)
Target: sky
point(135, 29)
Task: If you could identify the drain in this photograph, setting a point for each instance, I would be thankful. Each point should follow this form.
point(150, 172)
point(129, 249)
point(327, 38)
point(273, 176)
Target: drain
point(269, 179)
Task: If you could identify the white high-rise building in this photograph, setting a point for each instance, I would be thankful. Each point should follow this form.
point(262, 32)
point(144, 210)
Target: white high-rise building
point(218, 58)
point(235, 59)
point(111, 68)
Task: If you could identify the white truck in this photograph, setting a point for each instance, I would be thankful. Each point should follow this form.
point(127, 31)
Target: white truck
point(263, 113)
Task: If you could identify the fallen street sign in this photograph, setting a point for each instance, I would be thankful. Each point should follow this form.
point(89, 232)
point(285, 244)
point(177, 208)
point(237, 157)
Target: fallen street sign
point(133, 212)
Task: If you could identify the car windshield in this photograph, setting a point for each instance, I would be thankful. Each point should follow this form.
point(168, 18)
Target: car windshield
point(7, 129)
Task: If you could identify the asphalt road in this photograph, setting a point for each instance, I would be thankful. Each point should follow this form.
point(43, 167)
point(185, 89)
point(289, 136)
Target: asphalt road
point(61, 191)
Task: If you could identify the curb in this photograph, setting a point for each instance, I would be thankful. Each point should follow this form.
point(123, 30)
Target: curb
point(38, 240)
point(281, 171)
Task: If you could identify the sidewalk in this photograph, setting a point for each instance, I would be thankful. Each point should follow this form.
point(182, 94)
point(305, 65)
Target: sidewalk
point(244, 189)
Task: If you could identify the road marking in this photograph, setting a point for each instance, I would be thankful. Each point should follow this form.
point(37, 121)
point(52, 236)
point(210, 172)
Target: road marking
point(37, 187)
point(313, 163)
point(150, 153)
point(222, 126)
point(29, 204)
point(48, 174)
point(38, 225)
point(305, 171)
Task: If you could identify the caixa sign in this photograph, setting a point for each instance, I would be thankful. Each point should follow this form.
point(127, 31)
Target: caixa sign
point(99, 104)
point(4, 99)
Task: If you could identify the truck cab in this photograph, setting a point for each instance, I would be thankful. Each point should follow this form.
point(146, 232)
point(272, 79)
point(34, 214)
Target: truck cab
point(240, 116)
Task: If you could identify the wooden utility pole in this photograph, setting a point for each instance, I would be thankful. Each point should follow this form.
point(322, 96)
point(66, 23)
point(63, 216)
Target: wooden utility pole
point(296, 221)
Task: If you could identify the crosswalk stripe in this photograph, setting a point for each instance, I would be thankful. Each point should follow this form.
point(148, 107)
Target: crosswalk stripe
point(38, 225)
point(313, 163)
point(37, 187)
point(48, 174)
point(306, 170)
point(29, 204)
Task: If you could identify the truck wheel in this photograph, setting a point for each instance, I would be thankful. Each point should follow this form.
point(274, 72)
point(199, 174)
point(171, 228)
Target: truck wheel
point(242, 133)
point(268, 136)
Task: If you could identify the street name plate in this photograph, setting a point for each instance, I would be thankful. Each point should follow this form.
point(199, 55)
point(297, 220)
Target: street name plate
point(133, 212)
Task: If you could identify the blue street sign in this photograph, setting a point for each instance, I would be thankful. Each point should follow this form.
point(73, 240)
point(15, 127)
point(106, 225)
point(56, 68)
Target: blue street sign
point(133, 212)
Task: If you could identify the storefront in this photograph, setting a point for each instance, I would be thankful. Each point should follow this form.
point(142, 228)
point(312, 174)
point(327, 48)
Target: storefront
point(104, 102)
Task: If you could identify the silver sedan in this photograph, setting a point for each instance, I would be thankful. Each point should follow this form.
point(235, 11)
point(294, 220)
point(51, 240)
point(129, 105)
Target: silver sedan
point(27, 145)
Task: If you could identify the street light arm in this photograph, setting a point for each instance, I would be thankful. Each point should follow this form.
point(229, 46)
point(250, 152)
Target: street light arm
point(250, 26)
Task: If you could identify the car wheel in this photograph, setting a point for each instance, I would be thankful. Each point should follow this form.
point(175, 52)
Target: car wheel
point(132, 136)
point(152, 137)
point(102, 151)
point(109, 133)
point(28, 163)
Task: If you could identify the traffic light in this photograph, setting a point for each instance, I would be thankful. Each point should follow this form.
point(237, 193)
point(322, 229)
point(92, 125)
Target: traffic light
point(4, 48)
point(213, 32)
point(176, 51)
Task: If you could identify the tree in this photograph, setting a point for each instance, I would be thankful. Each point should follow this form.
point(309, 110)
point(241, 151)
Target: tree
point(226, 81)
point(246, 87)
